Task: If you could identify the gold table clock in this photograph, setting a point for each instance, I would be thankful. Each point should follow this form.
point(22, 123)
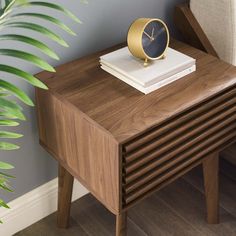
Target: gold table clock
point(148, 39)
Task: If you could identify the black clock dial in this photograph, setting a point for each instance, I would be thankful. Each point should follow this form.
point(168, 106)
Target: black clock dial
point(155, 39)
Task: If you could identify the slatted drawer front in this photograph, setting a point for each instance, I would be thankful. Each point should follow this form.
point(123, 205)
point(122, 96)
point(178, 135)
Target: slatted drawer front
point(168, 151)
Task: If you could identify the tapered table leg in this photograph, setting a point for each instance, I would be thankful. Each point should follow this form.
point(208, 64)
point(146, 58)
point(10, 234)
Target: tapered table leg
point(211, 181)
point(121, 224)
point(65, 187)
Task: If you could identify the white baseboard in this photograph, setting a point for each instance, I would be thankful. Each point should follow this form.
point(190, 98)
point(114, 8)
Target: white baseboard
point(33, 206)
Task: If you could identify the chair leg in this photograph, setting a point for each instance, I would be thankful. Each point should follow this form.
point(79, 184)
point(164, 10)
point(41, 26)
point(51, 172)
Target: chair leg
point(211, 181)
point(121, 224)
point(65, 187)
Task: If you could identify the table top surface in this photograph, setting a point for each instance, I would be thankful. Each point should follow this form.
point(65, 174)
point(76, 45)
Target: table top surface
point(124, 111)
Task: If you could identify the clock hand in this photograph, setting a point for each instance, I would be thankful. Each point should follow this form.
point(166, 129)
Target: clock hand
point(153, 31)
point(147, 35)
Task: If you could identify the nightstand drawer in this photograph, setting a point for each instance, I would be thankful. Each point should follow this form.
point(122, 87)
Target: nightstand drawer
point(163, 153)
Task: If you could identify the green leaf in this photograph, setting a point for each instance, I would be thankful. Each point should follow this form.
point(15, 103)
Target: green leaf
point(4, 94)
point(6, 166)
point(19, 2)
point(7, 2)
point(3, 180)
point(11, 3)
point(3, 204)
point(5, 187)
point(7, 115)
point(7, 175)
point(40, 29)
point(17, 92)
point(55, 7)
point(9, 105)
point(44, 17)
point(8, 123)
point(8, 147)
point(8, 8)
point(27, 57)
point(11, 109)
point(6, 134)
point(33, 42)
point(25, 75)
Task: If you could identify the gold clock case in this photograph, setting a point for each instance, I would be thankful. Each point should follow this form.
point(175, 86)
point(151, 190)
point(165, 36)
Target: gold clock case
point(135, 36)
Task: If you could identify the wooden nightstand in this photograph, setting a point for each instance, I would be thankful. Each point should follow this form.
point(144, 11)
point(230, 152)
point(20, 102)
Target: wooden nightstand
point(123, 145)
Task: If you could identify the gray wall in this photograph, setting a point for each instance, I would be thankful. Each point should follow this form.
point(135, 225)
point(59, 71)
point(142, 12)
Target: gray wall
point(105, 23)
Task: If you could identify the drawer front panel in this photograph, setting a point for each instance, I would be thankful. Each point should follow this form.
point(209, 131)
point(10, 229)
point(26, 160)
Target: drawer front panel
point(162, 154)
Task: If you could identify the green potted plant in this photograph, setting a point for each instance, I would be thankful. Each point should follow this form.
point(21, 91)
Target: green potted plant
point(14, 14)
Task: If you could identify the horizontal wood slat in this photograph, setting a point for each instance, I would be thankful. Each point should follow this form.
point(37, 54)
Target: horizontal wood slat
point(194, 125)
point(228, 138)
point(164, 153)
point(168, 181)
point(179, 157)
point(183, 118)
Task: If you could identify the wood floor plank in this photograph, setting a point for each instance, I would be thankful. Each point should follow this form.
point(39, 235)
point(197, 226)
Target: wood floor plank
point(178, 209)
point(189, 203)
point(227, 189)
point(48, 227)
point(156, 219)
point(95, 219)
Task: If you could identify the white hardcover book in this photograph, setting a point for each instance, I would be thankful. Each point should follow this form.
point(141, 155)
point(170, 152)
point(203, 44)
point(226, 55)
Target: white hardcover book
point(132, 68)
point(147, 90)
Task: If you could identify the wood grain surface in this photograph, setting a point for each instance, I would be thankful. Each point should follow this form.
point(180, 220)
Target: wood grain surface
point(65, 188)
point(124, 111)
point(123, 145)
point(90, 154)
point(121, 224)
point(211, 183)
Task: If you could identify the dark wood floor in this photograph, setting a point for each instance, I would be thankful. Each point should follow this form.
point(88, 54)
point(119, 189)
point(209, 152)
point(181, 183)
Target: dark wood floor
point(177, 210)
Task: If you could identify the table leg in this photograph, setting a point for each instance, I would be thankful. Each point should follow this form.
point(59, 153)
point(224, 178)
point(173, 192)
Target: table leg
point(65, 187)
point(121, 224)
point(211, 181)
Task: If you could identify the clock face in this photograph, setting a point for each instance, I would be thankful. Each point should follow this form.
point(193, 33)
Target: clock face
point(155, 39)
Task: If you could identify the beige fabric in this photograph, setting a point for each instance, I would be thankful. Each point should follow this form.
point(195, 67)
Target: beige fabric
point(218, 20)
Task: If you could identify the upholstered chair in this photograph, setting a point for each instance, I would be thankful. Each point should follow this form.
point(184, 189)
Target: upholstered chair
point(218, 21)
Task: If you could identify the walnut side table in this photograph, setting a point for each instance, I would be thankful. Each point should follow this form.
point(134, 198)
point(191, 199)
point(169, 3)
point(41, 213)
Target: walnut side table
point(123, 145)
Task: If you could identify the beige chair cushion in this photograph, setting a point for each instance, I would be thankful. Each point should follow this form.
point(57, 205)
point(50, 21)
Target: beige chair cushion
point(218, 20)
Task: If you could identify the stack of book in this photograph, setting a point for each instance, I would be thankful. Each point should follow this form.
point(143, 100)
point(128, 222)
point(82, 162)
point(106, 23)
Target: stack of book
point(157, 74)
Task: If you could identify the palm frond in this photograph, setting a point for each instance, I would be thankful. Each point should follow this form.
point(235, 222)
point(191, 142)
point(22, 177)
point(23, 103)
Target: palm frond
point(37, 28)
point(11, 135)
point(16, 92)
point(5, 166)
point(27, 57)
point(30, 41)
point(24, 75)
point(6, 175)
point(44, 17)
point(8, 123)
point(52, 6)
point(11, 111)
point(5, 146)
